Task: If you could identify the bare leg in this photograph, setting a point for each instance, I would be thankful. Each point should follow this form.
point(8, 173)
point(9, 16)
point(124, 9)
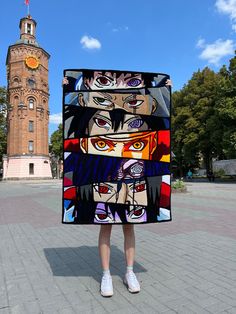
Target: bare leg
point(104, 251)
point(129, 244)
point(130, 279)
point(104, 246)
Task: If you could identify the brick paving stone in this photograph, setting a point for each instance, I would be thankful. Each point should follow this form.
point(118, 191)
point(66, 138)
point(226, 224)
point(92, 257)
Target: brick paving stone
point(218, 307)
point(232, 310)
point(228, 299)
point(4, 310)
point(186, 266)
point(68, 310)
point(32, 307)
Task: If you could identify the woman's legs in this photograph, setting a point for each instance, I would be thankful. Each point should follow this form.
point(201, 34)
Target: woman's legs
point(104, 251)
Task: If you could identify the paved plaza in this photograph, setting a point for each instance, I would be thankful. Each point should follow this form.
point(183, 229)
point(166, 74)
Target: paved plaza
point(184, 266)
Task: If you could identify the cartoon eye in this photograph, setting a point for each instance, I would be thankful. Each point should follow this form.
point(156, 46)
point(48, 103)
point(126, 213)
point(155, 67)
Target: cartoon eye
point(134, 82)
point(102, 101)
point(101, 123)
point(102, 189)
point(104, 81)
point(140, 187)
point(137, 169)
point(135, 124)
point(137, 212)
point(102, 216)
point(137, 146)
point(134, 103)
point(103, 145)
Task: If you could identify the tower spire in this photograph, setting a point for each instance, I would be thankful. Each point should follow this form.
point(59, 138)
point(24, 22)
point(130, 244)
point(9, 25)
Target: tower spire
point(27, 4)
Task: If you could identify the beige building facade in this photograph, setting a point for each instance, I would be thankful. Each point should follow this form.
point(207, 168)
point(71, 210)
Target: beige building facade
point(28, 116)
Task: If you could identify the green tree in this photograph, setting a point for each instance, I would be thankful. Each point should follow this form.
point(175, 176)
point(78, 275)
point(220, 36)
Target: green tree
point(193, 120)
point(56, 143)
point(226, 109)
point(204, 117)
point(3, 122)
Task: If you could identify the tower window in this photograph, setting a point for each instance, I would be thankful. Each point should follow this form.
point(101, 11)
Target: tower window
point(31, 103)
point(29, 28)
point(31, 126)
point(31, 83)
point(16, 81)
point(31, 146)
point(31, 168)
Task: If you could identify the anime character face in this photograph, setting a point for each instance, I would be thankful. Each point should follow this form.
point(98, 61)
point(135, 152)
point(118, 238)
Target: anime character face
point(134, 193)
point(134, 145)
point(130, 102)
point(136, 214)
point(103, 214)
point(101, 123)
point(108, 80)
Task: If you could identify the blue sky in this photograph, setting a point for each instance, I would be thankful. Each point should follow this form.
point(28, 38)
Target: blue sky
point(175, 37)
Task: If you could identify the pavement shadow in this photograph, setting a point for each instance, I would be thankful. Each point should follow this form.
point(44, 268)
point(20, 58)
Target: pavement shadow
point(85, 261)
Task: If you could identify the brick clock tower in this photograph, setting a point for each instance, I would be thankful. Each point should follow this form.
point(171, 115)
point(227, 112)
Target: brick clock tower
point(28, 116)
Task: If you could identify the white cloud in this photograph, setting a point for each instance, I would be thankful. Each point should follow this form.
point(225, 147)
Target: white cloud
point(55, 118)
point(90, 42)
point(228, 7)
point(201, 43)
point(214, 52)
point(120, 29)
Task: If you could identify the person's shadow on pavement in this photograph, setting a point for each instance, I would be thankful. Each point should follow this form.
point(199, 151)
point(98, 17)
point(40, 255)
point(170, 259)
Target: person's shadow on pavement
point(85, 261)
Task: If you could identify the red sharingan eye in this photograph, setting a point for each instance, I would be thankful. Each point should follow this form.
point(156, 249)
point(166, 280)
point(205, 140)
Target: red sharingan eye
point(102, 216)
point(103, 80)
point(103, 189)
point(137, 212)
point(133, 102)
point(101, 122)
point(140, 187)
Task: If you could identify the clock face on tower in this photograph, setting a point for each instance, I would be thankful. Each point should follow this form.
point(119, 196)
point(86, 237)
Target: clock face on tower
point(32, 62)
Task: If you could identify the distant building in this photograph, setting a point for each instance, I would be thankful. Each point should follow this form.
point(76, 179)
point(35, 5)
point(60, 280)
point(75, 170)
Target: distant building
point(28, 117)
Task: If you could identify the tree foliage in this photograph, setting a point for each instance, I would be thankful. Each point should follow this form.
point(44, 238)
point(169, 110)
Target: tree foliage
point(56, 140)
point(204, 118)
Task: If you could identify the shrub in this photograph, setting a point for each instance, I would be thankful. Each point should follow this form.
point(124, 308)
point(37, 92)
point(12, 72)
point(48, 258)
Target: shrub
point(179, 186)
point(219, 172)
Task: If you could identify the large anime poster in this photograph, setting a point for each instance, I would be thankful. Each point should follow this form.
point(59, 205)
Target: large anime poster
point(116, 147)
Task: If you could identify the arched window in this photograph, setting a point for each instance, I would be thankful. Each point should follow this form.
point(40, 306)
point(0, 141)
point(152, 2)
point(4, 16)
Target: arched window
point(31, 103)
point(31, 126)
point(16, 81)
point(16, 99)
point(29, 28)
point(31, 146)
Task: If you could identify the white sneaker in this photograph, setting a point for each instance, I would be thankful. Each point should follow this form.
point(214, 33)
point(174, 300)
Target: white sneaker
point(131, 282)
point(106, 286)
